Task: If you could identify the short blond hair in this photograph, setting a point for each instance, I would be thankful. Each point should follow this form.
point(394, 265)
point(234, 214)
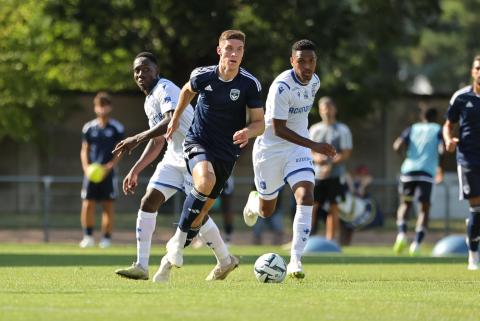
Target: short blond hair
point(232, 34)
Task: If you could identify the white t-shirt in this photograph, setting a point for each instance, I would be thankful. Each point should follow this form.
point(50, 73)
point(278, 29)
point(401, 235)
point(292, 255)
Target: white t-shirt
point(164, 98)
point(339, 136)
point(288, 99)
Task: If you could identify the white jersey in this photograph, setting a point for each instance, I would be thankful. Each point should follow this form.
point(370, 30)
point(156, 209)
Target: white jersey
point(164, 98)
point(288, 99)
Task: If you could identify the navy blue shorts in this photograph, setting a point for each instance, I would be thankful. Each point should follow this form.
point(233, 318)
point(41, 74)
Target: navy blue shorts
point(106, 190)
point(195, 153)
point(420, 189)
point(329, 190)
point(469, 182)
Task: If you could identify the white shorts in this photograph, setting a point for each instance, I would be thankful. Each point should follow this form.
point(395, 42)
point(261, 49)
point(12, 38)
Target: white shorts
point(274, 168)
point(171, 176)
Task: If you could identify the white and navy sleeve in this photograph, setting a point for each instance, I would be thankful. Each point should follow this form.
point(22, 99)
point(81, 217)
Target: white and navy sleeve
point(281, 100)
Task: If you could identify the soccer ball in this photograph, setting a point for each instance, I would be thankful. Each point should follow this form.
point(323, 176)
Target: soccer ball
point(95, 172)
point(270, 268)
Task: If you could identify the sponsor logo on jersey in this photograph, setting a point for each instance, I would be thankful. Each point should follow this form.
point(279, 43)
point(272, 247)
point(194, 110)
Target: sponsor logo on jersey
point(298, 110)
point(302, 159)
point(208, 88)
point(234, 94)
point(280, 90)
point(469, 105)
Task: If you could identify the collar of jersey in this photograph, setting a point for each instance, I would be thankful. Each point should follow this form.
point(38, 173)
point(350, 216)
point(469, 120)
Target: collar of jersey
point(294, 76)
point(223, 80)
point(153, 89)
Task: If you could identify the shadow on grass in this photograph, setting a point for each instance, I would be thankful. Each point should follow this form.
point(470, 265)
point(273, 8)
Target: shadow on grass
point(16, 260)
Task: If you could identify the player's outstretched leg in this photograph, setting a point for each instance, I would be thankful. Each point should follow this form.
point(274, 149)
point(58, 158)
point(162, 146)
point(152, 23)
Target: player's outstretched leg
point(226, 263)
point(145, 227)
point(251, 209)
point(301, 231)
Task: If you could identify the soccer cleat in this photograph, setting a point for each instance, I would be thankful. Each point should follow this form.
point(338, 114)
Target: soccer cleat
point(221, 272)
point(295, 270)
point(250, 216)
point(414, 249)
point(163, 273)
point(473, 260)
point(400, 243)
point(87, 241)
point(174, 254)
point(134, 272)
point(105, 242)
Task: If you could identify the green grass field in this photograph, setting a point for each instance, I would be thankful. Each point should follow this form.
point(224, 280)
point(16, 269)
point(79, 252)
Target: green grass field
point(63, 282)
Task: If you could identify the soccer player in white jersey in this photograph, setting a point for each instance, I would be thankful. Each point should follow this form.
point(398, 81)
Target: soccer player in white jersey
point(170, 175)
point(283, 153)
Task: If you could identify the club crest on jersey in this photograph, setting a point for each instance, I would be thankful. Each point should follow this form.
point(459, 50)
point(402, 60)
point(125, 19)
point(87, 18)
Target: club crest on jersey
point(234, 94)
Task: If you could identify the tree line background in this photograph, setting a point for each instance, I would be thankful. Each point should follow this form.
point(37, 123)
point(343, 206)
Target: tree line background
point(369, 51)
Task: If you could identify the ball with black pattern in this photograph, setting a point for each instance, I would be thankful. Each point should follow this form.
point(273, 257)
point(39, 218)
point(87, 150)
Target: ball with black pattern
point(270, 268)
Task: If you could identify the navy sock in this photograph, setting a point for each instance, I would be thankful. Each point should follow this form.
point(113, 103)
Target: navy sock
point(402, 227)
point(88, 231)
point(107, 235)
point(473, 230)
point(419, 236)
point(191, 209)
point(191, 235)
point(228, 229)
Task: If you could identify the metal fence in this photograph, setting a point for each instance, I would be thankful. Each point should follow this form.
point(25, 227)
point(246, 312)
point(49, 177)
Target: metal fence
point(54, 201)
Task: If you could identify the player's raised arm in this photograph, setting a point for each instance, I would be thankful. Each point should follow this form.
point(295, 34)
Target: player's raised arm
point(186, 96)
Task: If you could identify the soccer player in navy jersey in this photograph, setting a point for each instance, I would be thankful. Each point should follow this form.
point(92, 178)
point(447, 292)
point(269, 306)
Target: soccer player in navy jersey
point(99, 137)
point(218, 132)
point(464, 109)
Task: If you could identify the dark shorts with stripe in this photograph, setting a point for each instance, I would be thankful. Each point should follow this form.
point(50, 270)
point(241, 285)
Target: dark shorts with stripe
point(469, 182)
point(106, 190)
point(329, 190)
point(416, 189)
point(195, 153)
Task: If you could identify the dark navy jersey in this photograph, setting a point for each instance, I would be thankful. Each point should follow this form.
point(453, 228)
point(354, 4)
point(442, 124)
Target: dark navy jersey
point(464, 108)
point(101, 141)
point(221, 110)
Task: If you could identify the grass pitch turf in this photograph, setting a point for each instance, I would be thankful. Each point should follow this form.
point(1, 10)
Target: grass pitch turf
point(63, 282)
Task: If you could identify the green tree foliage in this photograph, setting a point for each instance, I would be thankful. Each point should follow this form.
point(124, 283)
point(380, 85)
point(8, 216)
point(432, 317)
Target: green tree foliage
point(445, 53)
point(52, 46)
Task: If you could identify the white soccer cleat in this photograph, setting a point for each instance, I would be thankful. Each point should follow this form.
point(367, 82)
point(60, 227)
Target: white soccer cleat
point(105, 242)
point(295, 270)
point(414, 249)
point(473, 260)
point(163, 273)
point(250, 216)
point(134, 272)
point(174, 254)
point(221, 272)
point(87, 241)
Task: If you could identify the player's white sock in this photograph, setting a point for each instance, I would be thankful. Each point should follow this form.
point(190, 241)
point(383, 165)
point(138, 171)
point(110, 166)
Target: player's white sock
point(145, 226)
point(302, 224)
point(210, 235)
point(254, 203)
point(177, 241)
